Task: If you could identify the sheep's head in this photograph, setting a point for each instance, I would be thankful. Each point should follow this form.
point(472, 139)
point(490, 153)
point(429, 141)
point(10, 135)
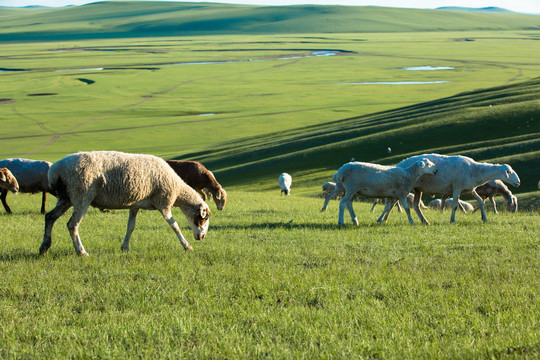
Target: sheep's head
point(220, 198)
point(199, 221)
point(509, 175)
point(8, 181)
point(428, 166)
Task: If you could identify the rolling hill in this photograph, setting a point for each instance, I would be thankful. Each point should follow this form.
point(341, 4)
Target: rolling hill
point(498, 125)
point(141, 19)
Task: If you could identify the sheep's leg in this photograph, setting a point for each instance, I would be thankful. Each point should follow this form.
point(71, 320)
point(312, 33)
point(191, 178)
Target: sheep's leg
point(167, 215)
point(73, 228)
point(375, 201)
point(399, 207)
point(460, 205)
point(407, 210)
point(4, 202)
point(493, 204)
point(386, 211)
point(481, 203)
point(43, 199)
point(130, 227)
point(61, 207)
point(417, 197)
point(331, 195)
point(346, 202)
point(443, 202)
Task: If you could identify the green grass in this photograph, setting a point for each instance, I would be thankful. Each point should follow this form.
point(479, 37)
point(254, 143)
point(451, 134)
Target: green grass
point(275, 278)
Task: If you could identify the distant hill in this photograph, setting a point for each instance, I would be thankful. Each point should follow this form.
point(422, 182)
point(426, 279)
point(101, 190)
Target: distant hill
point(489, 10)
point(143, 18)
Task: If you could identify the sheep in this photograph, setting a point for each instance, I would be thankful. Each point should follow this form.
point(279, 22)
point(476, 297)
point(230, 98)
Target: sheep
point(494, 187)
point(329, 193)
point(378, 181)
point(31, 176)
point(462, 205)
point(115, 180)
point(200, 178)
point(285, 182)
point(456, 175)
point(8, 182)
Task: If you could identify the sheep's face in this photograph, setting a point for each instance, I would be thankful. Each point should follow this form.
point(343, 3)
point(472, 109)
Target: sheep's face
point(510, 176)
point(8, 181)
point(220, 198)
point(199, 221)
point(428, 166)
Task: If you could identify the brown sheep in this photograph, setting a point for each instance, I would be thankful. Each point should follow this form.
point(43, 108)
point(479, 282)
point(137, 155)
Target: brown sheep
point(199, 177)
point(494, 187)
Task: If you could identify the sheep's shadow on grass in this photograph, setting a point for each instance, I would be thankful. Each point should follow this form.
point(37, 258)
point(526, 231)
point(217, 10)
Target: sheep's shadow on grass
point(30, 255)
point(291, 225)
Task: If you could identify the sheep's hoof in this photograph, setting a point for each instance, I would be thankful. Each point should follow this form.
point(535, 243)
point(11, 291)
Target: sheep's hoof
point(84, 253)
point(355, 222)
point(124, 249)
point(189, 247)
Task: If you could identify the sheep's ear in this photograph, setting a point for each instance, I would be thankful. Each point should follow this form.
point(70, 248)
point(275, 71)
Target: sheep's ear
point(218, 195)
point(204, 212)
point(3, 176)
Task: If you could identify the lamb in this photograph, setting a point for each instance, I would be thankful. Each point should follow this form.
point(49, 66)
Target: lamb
point(456, 175)
point(8, 182)
point(494, 187)
point(285, 182)
point(200, 178)
point(378, 181)
point(329, 193)
point(31, 176)
point(115, 180)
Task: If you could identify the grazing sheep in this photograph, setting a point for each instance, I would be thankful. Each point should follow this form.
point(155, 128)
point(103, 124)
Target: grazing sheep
point(285, 181)
point(494, 187)
point(462, 205)
point(200, 178)
point(8, 182)
point(115, 180)
point(456, 175)
point(31, 176)
point(378, 181)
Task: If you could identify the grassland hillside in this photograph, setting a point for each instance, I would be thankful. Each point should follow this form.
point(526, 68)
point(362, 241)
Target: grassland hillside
point(499, 125)
point(112, 19)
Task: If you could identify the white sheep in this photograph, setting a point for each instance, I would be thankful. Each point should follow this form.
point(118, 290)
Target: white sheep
point(285, 182)
point(115, 180)
point(462, 205)
point(378, 181)
point(331, 191)
point(8, 182)
point(456, 175)
point(31, 176)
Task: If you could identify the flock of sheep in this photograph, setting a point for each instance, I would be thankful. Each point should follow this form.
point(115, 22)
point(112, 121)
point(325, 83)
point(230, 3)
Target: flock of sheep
point(116, 180)
point(432, 174)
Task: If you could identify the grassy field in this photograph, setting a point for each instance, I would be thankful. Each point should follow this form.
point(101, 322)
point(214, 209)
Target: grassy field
point(275, 278)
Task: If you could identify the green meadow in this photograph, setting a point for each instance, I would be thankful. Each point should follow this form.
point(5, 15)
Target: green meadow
point(260, 92)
